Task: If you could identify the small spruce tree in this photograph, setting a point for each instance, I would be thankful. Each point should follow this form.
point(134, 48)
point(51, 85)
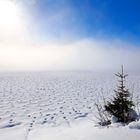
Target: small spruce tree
point(121, 104)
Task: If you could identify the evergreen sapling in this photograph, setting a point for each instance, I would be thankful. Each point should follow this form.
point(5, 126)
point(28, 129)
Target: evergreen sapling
point(121, 105)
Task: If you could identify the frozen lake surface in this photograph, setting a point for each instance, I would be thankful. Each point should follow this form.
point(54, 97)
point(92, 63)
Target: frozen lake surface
point(29, 101)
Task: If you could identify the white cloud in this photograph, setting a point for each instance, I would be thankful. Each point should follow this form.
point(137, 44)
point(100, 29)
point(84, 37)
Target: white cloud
point(86, 54)
point(92, 54)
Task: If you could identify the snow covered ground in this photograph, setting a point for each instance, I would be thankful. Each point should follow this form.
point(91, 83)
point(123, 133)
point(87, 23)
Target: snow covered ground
point(59, 105)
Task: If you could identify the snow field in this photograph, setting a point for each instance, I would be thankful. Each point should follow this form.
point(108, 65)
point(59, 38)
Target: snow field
point(34, 105)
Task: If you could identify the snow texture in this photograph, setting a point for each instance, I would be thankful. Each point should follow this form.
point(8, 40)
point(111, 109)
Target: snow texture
point(58, 105)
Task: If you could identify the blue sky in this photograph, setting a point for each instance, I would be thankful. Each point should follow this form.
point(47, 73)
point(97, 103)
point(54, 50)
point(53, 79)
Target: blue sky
point(69, 34)
point(87, 18)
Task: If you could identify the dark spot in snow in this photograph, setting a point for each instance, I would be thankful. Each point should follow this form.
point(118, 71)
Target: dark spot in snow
point(52, 118)
point(10, 125)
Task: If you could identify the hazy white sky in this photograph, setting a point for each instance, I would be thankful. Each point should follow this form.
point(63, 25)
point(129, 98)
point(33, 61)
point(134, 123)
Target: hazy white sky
point(22, 49)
